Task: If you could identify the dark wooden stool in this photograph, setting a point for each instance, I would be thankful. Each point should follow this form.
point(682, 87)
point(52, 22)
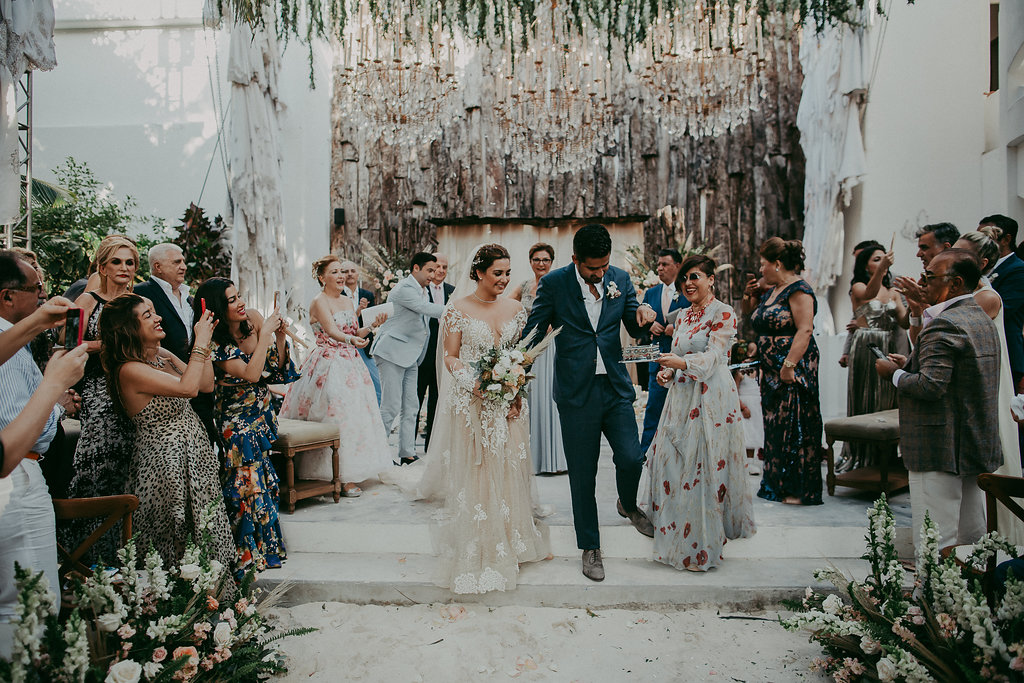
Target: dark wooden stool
point(881, 428)
point(295, 437)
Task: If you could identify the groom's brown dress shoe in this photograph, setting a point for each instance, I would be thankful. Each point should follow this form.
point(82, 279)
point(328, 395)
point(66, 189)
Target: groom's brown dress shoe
point(637, 518)
point(593, 568)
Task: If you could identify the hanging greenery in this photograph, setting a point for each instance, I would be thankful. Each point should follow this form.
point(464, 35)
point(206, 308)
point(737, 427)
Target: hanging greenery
point(625, 21)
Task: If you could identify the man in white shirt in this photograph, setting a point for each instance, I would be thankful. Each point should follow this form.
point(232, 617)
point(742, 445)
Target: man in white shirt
point(167, 290)
point(27, 525)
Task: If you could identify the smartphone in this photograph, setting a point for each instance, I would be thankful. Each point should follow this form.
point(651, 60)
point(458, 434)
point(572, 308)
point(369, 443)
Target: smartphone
point(277, 296)
point(877, 351)
point(202, 307)
point(74, 328)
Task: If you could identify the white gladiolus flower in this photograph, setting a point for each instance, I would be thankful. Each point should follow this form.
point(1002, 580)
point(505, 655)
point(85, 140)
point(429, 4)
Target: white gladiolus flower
point(189, 572)
point(125, 671)
point(886, 669)
point(151, 669)
point(108, 622)
point(869, 645)
point(832, 604)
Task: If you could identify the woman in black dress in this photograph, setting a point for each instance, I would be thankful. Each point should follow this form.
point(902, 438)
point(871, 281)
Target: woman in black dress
point(783, 318)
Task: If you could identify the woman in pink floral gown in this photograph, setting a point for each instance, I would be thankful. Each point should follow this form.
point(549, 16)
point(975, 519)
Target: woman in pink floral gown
point(699, 496)
point(336, 387)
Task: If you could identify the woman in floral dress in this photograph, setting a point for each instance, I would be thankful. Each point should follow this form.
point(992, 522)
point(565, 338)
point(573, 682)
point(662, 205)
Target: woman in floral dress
point(250, 353)
point(784, 321)
point(336, 387)
point(698, 493)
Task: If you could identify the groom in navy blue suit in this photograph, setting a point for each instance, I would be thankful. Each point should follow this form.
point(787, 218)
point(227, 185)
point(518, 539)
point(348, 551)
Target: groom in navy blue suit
point(589, 300)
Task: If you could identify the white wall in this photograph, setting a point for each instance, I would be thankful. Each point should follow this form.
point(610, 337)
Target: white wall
point(134, 96)
point(923, 131)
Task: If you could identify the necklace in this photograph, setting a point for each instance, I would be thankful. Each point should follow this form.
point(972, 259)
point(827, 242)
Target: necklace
point(483, 301)
point(158, 363)
point(694, 314)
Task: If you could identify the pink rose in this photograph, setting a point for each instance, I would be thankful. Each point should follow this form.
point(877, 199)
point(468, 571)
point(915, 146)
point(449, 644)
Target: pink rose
point(160, 654)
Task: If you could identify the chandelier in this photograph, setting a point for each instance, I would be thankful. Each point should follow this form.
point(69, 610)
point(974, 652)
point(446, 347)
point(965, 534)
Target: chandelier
point(701, 67)
point(553, 102)
point(397, 76)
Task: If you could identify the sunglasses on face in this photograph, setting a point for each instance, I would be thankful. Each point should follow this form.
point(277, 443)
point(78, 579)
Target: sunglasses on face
point(928, 277)
point(693, 277)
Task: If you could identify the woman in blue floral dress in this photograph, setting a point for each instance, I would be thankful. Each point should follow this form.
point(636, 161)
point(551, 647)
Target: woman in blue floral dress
point(251, 352)
point(784, 322)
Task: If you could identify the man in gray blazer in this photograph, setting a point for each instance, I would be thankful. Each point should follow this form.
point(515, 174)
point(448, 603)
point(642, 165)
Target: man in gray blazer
point(400, 346)
point(949, 407)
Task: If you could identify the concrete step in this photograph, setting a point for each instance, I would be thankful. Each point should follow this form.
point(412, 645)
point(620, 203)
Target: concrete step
point(389, 578)
point(620, 541)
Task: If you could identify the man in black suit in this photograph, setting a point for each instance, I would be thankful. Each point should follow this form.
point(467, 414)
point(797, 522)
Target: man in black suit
point(1007, 279)
point(361, 298)
point(167, 290)
point(438, 292)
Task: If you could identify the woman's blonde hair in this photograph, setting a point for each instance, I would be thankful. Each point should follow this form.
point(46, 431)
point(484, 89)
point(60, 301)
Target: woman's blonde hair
point(985, 243)
point(105, 252)
point(320, 265)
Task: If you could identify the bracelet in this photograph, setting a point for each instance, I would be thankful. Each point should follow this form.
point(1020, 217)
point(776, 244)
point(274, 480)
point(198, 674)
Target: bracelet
point(915, 321)
point(788, 364)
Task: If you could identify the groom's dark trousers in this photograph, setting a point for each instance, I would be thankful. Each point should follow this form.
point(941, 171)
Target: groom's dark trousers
point(590, 404)
point(603, 412)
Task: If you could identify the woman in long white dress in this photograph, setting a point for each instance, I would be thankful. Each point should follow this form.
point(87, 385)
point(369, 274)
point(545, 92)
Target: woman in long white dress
point(479, 464)
point(987, 250)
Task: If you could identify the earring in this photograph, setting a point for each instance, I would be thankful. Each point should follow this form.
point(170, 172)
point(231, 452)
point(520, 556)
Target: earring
point(776, 269)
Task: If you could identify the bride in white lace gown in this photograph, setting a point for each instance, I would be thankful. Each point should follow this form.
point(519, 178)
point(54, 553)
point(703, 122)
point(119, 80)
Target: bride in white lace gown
point(479, 464)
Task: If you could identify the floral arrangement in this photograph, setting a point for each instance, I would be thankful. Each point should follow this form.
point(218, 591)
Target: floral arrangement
point(503, 372)
point(945, 629)
point(383, 269)
point(188, 623)
point(644, 275)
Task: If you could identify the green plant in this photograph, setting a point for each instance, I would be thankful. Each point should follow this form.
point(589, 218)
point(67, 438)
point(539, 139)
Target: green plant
point(65, 233)
point(203, 241)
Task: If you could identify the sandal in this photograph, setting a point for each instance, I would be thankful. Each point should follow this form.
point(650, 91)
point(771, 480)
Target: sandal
point(353, 492)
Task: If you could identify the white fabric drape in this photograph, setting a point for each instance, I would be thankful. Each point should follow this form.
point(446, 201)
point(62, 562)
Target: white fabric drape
point(836, 67)
point(254, 165)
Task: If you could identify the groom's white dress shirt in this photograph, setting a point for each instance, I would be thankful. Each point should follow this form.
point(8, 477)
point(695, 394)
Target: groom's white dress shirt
point(593, 312)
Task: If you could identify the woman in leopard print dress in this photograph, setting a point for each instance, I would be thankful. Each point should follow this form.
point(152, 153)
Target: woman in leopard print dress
point(173, 471)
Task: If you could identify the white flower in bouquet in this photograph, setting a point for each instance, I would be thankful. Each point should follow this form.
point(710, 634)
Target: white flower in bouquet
point(125, 671)
point(222, 633)
point(189, 572)
point(109, 622)
point(509, 396)
point(493, 387)
point(517, 356)
point(832, 604)
point(886, 669)
point(151, 670)
point(869, 645)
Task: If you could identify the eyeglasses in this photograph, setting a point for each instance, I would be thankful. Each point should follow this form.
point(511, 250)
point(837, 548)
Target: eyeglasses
point(37, 288)
point(693, 277)
point(927, 277)
point(540, 260)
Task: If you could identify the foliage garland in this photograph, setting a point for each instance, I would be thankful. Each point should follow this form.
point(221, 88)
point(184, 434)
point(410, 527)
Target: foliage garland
point(625, 21)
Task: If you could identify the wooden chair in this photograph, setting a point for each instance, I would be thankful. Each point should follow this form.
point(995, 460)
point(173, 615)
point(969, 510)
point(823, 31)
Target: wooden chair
point(881, 428)
point(1000, 488)
point(112, 509)
point(294, 437)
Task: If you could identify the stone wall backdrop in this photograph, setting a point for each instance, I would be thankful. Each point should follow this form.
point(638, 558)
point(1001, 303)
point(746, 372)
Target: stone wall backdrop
point(736, 189)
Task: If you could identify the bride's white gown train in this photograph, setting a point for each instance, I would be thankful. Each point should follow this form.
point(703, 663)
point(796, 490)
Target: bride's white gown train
point(479, 469)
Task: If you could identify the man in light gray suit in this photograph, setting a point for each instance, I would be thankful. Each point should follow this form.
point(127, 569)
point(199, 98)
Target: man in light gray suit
point(949, 407)
point(399, 348)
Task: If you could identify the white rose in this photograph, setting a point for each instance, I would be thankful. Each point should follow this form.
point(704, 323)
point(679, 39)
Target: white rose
point(493, 387)
point(108, 622)
point(151, 669)
point(216, 568)
point(222, 634)
point(517, 356)
point(125, 671)
point(886, 669)
point(189, 572)
point(832, 604)
point(509, 396)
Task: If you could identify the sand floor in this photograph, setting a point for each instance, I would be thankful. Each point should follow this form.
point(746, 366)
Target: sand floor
point(476, 643)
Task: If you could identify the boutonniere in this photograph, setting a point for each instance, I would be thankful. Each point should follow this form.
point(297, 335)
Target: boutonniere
point(992, 276)
point(675, 296)
point(612, 290)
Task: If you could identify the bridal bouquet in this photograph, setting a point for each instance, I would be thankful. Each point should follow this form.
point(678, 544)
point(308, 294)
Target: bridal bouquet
point(184, 623)
point(504, 371)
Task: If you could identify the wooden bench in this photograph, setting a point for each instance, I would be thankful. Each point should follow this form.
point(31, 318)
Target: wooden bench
point(295, 437)
point(882, 429)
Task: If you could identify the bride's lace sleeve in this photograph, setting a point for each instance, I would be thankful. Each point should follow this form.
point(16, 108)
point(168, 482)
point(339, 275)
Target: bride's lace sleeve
point(451, 339)
point(721, 335)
